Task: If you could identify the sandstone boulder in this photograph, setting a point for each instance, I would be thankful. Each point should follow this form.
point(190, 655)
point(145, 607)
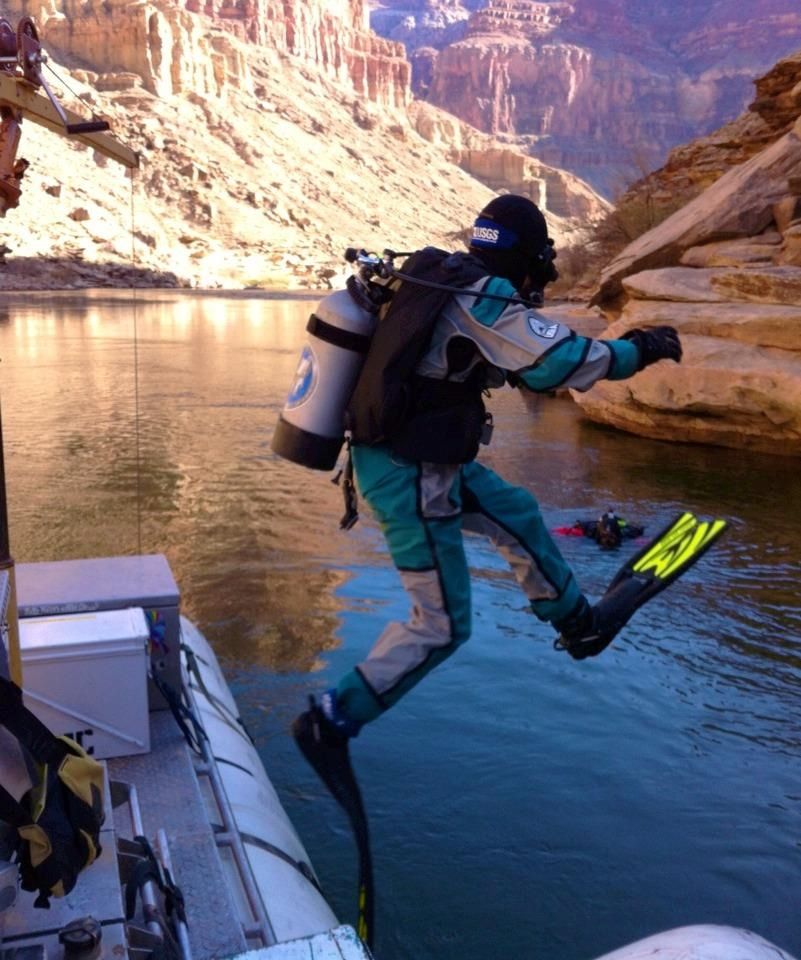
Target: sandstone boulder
point(721, 394)
point(732, 253)
point(770, 284)
point(739, 204)
point(739, 382)
point(725, 271)
point(760, 325)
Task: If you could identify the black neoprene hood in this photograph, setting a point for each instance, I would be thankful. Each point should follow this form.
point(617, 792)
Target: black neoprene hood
point(508, 234)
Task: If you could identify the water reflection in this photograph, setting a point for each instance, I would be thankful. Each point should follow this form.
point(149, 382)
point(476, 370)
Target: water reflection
point(144, 425)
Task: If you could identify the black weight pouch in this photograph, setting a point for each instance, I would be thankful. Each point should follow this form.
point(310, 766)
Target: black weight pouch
point(445, 421)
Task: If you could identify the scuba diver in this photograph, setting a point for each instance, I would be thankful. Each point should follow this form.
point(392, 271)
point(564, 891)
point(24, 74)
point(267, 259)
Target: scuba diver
point(608, 531)
point(458, 324)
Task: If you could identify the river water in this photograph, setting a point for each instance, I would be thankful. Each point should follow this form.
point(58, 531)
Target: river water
point(521, 804)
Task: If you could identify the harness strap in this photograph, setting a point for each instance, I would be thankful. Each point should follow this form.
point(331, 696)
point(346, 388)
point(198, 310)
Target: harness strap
point(222, 709)
point(188, 723)
point(351, 515)
point(300, 865)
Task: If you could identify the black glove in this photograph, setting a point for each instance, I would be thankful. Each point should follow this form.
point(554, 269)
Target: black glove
point(657, 343)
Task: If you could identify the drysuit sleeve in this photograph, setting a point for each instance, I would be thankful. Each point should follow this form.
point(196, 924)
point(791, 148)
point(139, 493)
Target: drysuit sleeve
point(542, 353)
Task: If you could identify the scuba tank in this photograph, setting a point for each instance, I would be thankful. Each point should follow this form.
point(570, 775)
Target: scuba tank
point(311, 427)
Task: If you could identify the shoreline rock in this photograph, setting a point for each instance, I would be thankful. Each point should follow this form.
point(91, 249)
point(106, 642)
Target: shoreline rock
point(725, 270)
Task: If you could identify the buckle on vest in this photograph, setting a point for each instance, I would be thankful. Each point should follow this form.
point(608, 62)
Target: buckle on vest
point(486, 430)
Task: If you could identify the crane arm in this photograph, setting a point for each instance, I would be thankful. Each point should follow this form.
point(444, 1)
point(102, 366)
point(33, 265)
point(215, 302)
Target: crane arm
point(21, 97)
point(21, 59)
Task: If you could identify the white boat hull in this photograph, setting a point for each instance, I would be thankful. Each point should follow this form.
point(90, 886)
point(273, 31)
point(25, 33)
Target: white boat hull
point(280, 866)
point(700, 942)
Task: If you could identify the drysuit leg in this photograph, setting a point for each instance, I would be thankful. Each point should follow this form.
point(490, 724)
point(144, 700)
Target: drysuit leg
point(510, 517)
point(418, 508)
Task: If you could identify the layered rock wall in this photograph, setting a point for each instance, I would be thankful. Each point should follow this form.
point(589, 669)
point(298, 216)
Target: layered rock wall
point(519, 17)
point(167, 44)
point(739, 175)
point(602, 88)
point(725, 270)
point(573, 208)
point(261, 159)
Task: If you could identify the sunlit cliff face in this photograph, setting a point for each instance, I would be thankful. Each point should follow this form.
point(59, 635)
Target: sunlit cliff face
point(263, 156)
point(602, 88)
point(272, 138)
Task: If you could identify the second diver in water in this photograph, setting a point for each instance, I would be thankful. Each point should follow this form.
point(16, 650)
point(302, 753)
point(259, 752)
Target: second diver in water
point(608, 531)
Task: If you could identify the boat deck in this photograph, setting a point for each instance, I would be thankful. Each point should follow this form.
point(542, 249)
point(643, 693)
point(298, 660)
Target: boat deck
point(168, 806)
point(176, 820)
point(221, 872)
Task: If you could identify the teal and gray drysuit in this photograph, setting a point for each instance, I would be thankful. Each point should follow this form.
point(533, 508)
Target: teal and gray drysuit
point(424, 508)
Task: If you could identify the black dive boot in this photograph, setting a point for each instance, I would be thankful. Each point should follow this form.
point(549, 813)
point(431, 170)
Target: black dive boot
point(590, 629)
point(325, 746)
point(577, 632)
point(326, 749)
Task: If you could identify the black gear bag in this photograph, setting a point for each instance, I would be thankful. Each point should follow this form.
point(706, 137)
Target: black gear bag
point(58, 820)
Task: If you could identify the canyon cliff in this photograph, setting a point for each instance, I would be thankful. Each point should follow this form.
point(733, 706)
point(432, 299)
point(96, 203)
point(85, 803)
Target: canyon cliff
point(725, 270)
point(270, 138)
point(602, 88)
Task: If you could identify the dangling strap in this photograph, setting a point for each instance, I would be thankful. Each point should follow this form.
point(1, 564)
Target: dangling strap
point(188, 723)
point(27, 728)
point(351, 514)
point(11, 810)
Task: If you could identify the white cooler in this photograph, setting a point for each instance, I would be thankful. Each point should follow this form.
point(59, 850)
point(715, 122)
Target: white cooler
point(85, 675)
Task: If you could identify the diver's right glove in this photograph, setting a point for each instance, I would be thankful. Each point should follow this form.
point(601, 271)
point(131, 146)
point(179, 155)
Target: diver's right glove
point(656, 343)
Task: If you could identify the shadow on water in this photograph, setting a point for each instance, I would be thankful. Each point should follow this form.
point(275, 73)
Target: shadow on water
point(520, 803)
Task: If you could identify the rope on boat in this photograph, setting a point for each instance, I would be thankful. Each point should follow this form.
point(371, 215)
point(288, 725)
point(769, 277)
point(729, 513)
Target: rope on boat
point(136, 377)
